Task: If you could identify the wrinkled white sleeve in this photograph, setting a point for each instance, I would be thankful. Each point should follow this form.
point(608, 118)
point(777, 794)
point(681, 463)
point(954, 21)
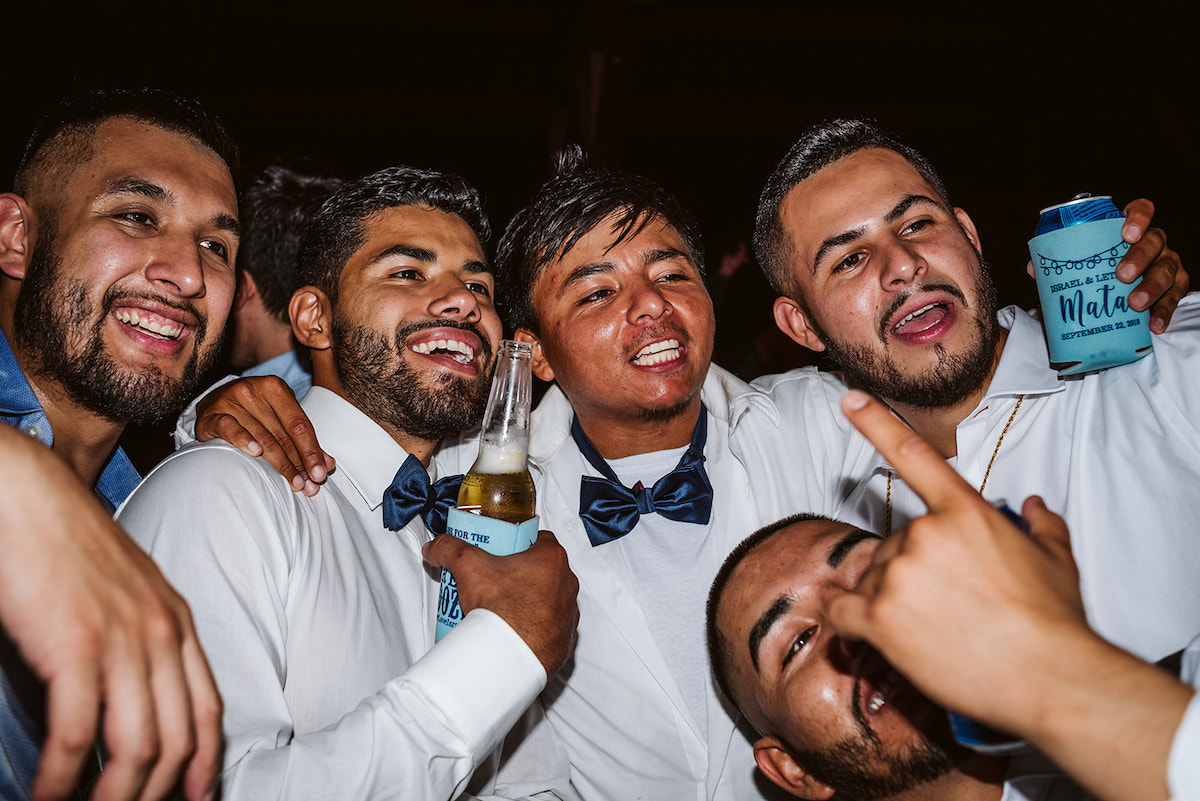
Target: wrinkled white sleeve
point(1183, 766)
point(185, 425)
point(797, 444)
point(227, 544)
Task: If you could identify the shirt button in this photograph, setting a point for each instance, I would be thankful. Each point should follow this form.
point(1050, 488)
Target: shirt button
point(33, 432)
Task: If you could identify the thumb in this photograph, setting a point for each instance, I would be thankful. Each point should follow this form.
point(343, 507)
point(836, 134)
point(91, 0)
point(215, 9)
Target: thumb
point(446, 550)
point(1046, 528)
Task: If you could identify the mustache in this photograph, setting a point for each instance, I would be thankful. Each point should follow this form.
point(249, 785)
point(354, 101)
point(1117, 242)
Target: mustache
point(405, 330)
point(115, 295)
point(906, 296)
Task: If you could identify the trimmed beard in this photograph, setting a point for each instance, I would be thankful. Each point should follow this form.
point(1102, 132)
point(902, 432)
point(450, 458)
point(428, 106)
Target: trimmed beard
point(50, 326)
point(857, 768)
point(952, 379)
point(378, 381)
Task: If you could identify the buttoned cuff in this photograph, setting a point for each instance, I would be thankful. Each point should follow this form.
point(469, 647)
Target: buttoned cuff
point(481, 677)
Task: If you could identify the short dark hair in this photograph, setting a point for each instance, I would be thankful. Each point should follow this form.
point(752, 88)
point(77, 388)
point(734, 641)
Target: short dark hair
point(819, 146)
point(336, 233)
point(277, 203)
point(719, 649)
point(564, 210)
point(62, 137)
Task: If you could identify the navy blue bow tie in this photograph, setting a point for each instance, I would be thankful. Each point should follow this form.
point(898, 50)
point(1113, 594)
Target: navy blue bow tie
point(411, 495)
point(610, 510)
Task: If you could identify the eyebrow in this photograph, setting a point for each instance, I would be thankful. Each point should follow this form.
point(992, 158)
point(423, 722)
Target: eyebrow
point(427, 256)
point(764, 623)
point(837, 554)
point(151, 191)
point(585, 271)
point(842, 548)
point(847, 237)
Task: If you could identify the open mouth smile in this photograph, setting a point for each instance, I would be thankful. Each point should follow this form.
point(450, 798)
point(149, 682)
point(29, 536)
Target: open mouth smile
point(660, 352)
point(456, 349)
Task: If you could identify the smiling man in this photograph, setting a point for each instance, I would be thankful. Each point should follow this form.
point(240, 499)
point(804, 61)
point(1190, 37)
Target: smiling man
point(318, 612)
point(834, 719)
point(877, 267)
point(116, 277)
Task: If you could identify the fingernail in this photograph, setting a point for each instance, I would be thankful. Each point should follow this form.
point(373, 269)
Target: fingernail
point(297, 482)
point(855, 399)
point(1131, 233)
point(311, 489)
point(1158, 325)
point(1126, 272)
point(1138, 301)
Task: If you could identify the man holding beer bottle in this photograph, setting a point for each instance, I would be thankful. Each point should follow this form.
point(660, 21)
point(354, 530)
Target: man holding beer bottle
point(644, 428)
point(318, 611)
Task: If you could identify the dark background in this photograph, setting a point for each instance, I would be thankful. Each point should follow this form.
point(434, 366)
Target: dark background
point(1020, 106)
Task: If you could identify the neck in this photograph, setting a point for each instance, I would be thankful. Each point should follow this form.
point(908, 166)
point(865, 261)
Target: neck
point(83, 439)
point(939, 425)
point(616, 439)
point(979, 778)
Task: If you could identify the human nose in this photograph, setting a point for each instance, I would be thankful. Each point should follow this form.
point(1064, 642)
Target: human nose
point(648, 302)
point(453, 299)
point(178, 266)
point(901, 266)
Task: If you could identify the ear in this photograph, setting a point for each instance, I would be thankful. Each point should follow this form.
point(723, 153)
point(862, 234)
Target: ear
point(541, 367)
point(969, 226)
point(247, 290)
point(792, 321)
point(777, 764)
point(15, 236)
point(312, 318)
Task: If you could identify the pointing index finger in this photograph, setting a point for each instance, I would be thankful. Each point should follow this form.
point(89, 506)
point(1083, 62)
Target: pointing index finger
point(914, 459)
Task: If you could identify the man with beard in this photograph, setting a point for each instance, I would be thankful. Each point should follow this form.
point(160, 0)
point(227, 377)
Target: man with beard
point(602, 272)
point(984, 616)
point(877, 267)
point(116, 277)
point(318, 612)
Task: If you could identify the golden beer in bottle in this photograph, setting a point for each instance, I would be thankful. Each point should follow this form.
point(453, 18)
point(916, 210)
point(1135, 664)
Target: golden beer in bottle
point(499, 484)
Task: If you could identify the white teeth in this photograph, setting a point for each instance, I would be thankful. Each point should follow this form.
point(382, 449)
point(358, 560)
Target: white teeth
point(162, 331)
point(917, 313)
point(876, 703)
point(462, 352)
point(657, 353)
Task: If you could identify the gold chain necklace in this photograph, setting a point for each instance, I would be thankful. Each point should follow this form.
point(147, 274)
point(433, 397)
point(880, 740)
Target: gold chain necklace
point(887, 513)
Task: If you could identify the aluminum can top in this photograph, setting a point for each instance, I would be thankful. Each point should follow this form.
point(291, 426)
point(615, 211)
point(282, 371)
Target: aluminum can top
point(1080, 209)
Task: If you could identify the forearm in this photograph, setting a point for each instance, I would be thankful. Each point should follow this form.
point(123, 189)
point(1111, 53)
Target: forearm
point(1106, 718)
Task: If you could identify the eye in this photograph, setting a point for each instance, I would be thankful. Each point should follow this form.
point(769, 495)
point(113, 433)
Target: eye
point(216, 248)
point(139, 218)
point(479, 288)
point(848, 263)
point(798, 645)
point(407, 273)
point(917, 226)
point(598, 295)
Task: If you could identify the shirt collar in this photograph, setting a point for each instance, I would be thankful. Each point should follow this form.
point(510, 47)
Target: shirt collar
point(366, 454)
point(17, 397)
point(1024, 367)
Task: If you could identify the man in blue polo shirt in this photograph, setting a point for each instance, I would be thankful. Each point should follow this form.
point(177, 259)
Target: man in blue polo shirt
point(116, 277)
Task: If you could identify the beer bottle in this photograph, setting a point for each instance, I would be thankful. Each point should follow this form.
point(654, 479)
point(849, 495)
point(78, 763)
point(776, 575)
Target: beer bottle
point(499, 484)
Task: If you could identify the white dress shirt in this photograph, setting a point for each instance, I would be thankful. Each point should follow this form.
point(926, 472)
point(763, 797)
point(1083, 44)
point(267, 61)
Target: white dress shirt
point(616, 705)
point(1116, 453)
point(318, 624)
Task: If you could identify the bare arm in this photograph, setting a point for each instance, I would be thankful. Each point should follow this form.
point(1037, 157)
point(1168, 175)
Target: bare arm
point(989, 622)
point(94, 619)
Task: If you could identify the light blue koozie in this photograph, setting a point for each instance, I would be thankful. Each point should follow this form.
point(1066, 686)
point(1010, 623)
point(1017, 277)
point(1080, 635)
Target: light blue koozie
point(1089, 325)
point(497, 537)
